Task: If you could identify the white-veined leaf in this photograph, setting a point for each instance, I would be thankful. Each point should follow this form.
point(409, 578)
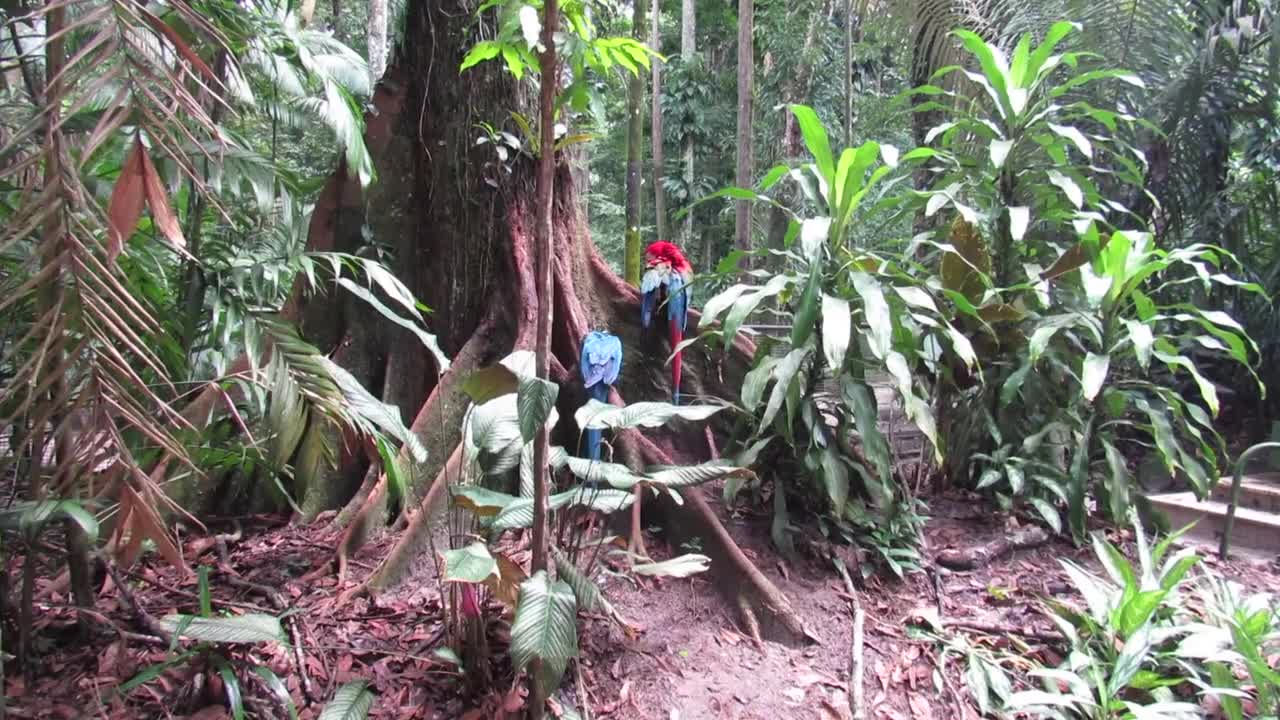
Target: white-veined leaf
point(248, 628)
point(681, 566)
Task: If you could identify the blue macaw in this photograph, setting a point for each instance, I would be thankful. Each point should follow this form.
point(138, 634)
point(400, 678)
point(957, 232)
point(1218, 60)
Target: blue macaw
point(601, 361)
point(667, 276)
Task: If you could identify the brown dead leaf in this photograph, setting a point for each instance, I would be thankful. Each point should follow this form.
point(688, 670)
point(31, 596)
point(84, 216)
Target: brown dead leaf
point(158, 200)
point(212, 712)
point(127, 198)
point(142, 522)
point(505, 586)
point(514, 700)
point(920, 708)
point(115, 662)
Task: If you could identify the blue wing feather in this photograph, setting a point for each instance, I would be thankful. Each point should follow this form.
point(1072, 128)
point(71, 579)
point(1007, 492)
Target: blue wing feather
point(601, 359)
point(677, 300)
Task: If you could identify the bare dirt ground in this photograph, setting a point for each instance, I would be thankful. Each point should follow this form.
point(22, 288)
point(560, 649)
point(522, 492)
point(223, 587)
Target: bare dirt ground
point(691, 660)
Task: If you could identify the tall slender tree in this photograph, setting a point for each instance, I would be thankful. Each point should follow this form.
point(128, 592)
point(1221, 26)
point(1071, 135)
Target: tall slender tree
point(746, 75)
point(377, 39)
point(544, 198)
point(688, 49)
point(635, 155)
point(655, 124)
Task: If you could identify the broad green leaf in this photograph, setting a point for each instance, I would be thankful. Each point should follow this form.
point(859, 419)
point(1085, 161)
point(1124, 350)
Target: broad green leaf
point(31, 516)
point(806, 315)
point(976, 678)
point(536, 401)
point(248, 628)
point(689, 475)
point(1040, 56)
point(1092, 588)
point(815, 139)
point(756, 381)
point(384, 417)
point(1207, 390)
point(1000, 152)
point(963, 348)
point(813, 237)
point(613, 474)
point(480, 500)
point(1040, 340)
point(784, 375)
point(1142, 338)
point(1048, 512)
point(278, 689)
point(429, 341)
point(1094, 375)
point(748, 302)
point(596, 415)
point(545, 628)
point(1075, 136)
point(680, 566)
point(1068, 186)
point(835, 476)
point(486, 50)
point(915, 296)
point(1118, 481)
point(1132, 656)
point(1019, 219)
point(585, 591)
point(876, 312)
point(352, 701)
point(721, 302)
point(859, 398)
point(530, 25)
point(471, 564)
point(837, 327)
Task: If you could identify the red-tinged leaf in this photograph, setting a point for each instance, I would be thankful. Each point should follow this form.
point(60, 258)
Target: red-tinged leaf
point(179, 44)
point(158, 199)
point(145, 523)
point(126, 200)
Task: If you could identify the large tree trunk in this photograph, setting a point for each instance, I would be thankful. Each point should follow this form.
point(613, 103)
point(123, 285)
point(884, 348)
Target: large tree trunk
point(746, 75)
point(468, 253)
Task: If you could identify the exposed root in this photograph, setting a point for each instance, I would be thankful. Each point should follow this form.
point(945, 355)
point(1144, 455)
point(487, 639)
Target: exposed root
point(972, 558)
point(698, 518)
point(416, 533)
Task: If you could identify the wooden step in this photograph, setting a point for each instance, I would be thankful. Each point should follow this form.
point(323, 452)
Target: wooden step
point(1257, 492)
point(1255, 531)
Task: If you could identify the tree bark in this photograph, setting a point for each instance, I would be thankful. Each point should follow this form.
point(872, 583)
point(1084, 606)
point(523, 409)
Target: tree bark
point(542, 246)
point(635, 155)
point(746, 67)
point(377, 39)
point(655, 124)
point(471, 258)
point(848, 73)
point(688, 49)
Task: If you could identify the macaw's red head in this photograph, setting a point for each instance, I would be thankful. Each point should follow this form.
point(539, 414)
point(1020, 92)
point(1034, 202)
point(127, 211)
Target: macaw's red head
point(662, 252)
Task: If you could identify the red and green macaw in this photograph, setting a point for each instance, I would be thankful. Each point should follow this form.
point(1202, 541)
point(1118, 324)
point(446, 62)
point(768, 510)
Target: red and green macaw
point(665, 279)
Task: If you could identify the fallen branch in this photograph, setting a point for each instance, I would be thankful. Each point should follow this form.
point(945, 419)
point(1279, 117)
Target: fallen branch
point(994, 629)
point(856, 692)
point(277, 601)
point(975, 557)
point(144, 619)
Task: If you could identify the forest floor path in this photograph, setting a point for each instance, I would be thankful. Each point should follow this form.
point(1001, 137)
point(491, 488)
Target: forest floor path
point(692, 659)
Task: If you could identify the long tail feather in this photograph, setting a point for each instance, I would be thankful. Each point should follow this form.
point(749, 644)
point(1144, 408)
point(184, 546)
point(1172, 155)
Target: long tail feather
point(677, 335)
point(599, 391)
